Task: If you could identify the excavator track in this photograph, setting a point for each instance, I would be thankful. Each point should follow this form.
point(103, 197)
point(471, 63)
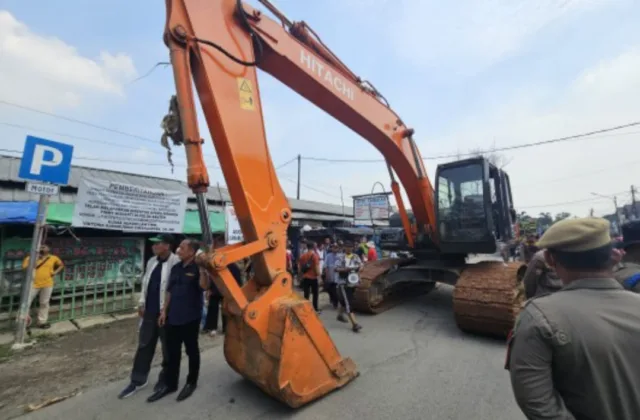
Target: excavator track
point(375, 294)
point(487, 298)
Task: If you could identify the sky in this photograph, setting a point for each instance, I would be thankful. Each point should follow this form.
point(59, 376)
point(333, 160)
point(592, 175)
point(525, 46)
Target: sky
point(467, 75)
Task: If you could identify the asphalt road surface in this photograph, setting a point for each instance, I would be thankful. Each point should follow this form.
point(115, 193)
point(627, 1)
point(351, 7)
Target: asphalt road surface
point(414, 364)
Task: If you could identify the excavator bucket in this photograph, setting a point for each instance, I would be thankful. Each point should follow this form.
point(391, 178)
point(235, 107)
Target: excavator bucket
point(285, 349)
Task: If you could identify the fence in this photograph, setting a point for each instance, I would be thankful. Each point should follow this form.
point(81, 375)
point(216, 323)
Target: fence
point(100, 276)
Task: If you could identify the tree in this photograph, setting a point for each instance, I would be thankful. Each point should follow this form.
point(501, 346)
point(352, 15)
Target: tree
point(497, 159)
point(545, 219)
point(523, 216)
point(561, 216)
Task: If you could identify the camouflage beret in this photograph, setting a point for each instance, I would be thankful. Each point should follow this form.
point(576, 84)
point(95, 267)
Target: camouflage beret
point(576, 235)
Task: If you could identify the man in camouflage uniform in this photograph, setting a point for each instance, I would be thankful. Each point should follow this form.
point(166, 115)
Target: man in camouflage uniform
point(627, 272)
point(573, 354)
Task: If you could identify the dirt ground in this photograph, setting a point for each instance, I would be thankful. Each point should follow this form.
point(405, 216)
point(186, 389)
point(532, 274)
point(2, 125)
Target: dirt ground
point(64, 365)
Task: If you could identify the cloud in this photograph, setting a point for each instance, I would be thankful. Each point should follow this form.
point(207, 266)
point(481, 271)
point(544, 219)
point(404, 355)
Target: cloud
point(143, 154)
point(470, 35)
point(601, 96)
point(556, 177)
point(46, 72)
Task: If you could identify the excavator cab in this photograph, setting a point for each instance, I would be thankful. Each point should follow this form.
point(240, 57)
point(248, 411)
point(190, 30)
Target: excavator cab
point(474, 207)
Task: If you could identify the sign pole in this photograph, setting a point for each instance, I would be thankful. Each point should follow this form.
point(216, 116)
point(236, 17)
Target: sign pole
point(28, 280)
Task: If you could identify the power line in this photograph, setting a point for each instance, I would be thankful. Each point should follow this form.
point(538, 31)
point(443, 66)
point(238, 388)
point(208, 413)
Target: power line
point(286, 163)
point(77, 121)
point(586, 200)
point(126, 162)
point(309, 187)
point(124, 146)
point(158, 152)
point(131, 162)
point(71, 136)
point(163, 164)
point(622, 165)
point(590, 135)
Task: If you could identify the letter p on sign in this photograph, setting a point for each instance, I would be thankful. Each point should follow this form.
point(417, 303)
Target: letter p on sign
point(46, 161)
point(39, 160)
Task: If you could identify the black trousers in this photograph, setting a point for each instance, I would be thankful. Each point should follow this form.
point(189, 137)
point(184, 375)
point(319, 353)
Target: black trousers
point(310, 286)
point(345, 296)
point(177, 335)
point(213, 312)
point(332, 291)
point(147, 342)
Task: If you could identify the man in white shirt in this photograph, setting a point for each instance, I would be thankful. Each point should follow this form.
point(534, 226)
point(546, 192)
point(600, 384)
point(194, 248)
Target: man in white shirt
point(154, 286)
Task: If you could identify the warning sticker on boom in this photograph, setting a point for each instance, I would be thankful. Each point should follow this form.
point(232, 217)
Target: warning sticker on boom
point(245, 91)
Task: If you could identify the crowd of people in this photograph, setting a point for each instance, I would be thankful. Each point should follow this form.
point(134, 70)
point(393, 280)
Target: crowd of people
point(336, 267)
point(175, 292)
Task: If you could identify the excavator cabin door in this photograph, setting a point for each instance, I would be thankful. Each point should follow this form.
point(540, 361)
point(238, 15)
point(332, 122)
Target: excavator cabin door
point(474, 207)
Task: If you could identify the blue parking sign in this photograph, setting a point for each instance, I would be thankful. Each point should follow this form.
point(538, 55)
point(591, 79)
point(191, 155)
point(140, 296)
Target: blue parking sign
point(46, 161)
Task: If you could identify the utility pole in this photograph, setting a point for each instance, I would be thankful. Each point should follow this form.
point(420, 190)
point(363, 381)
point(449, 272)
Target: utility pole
point(615, 203)
point(591, 212)
point(299, 169)
point(634, 208)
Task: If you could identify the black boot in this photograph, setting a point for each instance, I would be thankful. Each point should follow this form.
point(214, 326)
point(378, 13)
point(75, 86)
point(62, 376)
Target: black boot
point(186, 392)
point(162, 392)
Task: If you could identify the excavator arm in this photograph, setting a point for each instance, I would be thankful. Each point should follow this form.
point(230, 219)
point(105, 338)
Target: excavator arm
point(274, 338)
point(224, 56)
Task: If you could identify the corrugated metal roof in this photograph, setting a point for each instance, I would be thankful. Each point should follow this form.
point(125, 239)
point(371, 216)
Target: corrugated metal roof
point(301, 215)
point(9, 172)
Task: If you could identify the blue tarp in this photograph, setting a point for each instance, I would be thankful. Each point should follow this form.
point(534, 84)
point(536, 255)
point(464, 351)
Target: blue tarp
point(18, 212)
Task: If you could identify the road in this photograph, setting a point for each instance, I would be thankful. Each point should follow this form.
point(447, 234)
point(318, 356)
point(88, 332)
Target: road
point(414, 364)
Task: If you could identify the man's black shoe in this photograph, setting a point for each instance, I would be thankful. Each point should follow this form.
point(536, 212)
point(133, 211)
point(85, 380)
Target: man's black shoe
point(161, 393)
point(158, 386)
point(186, 391)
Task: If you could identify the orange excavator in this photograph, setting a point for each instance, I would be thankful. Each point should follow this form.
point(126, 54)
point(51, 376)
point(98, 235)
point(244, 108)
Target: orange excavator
point(274, 338)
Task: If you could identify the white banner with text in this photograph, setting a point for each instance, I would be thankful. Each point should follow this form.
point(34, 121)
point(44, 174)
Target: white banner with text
point(367, 207)
point(103, 204)
point(233, 231)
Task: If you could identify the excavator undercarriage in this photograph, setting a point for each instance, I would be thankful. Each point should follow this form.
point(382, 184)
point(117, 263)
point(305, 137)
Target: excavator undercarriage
point(486, 299)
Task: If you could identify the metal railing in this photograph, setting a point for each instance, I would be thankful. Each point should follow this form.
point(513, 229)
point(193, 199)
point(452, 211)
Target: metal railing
point(100, 277)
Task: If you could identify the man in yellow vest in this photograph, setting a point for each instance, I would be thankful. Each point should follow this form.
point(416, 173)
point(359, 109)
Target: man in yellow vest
point(48, 266)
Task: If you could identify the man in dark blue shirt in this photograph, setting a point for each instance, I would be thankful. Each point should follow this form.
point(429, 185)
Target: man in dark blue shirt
point(154, 283)
point(181, 317)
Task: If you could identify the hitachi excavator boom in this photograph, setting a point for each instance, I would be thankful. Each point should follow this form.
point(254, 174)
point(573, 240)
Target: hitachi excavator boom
point(274, 338)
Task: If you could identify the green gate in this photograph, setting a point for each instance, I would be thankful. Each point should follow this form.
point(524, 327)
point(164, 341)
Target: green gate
point(100, 276)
